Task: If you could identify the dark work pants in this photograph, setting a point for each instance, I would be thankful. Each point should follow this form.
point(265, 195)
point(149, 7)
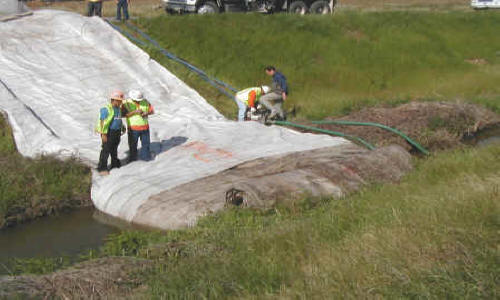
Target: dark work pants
point(122, 4)
point(95, 9)
point(133, 138)
point(110, 148)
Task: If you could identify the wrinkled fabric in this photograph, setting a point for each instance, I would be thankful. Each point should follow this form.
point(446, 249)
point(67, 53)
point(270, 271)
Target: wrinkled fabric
point(58, 69)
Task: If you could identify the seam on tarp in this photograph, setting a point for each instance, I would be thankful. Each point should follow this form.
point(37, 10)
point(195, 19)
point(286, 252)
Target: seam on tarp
point(29, 108)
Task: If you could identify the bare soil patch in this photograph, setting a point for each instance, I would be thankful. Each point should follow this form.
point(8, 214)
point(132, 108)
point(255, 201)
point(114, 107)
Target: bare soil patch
point(435, 125)
point(477, 61)
point(113, 277)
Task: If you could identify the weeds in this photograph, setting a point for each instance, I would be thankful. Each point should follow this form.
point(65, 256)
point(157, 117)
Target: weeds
point(30, 188)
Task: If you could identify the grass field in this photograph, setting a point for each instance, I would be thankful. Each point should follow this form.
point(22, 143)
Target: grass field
point(31, 188)
point(403, 4)
point(335, 64)
point(434, 235)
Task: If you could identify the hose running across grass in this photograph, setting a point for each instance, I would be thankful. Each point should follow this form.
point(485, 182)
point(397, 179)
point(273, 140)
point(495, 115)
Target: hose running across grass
point(128, 35)
point(393, 130)
point(177, 59)
point(218, 84)
point(330, 132)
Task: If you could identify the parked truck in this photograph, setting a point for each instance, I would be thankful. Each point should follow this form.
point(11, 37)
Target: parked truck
point(264, 6)
point(485, 4)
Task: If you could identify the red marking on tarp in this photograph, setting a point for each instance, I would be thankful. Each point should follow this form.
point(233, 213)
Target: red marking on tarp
point(203, 150)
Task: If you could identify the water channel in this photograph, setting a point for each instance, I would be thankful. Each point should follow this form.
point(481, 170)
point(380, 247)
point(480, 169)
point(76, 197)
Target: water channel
point(73, 233)
point(66, 234)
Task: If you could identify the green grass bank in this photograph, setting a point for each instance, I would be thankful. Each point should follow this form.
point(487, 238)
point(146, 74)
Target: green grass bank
point(31, 188)
point(340, 63)
point(434, 235)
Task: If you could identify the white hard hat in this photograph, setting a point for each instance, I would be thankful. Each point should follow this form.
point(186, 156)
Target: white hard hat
point(266, 89)
point(135, 95)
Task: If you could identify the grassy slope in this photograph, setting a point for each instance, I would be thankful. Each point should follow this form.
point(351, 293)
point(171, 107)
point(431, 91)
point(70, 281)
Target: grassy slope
point(31, 188)
point(433, 235)
point(342, 62)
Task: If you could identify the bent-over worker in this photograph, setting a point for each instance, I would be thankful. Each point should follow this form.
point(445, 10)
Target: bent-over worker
point(249, 98)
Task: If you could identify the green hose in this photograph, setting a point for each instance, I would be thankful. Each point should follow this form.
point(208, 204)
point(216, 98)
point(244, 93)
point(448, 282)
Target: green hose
point(409, 140)
point(349, 137)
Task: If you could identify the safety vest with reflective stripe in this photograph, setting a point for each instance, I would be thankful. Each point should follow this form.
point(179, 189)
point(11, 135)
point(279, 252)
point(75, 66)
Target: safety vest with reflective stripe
point(102, 126)
point(244, 95)
point(137, 122)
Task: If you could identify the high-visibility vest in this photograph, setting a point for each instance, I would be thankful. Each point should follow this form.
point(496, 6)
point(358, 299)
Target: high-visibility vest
point(137, 120)
point(243, 95)
point(104, 126)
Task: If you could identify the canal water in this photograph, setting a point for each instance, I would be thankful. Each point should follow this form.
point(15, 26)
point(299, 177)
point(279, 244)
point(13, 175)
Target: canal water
point(485, 137)
point(74, 233)
point(68, 234)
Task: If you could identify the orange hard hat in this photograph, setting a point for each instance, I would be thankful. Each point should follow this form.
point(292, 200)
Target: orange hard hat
point(117, 95)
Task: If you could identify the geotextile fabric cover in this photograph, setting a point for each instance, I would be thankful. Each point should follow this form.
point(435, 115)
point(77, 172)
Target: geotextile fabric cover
point(58, 68)
point(12, 9)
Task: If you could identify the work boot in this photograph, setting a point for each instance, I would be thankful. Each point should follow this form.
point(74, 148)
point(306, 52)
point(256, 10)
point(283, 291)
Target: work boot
point(282, 116)
point(272, 115)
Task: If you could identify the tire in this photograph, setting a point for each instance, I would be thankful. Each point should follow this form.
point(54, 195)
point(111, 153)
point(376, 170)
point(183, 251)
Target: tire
point(169, 11)
point(298, 7)
point(320, 7)
point(208, 7)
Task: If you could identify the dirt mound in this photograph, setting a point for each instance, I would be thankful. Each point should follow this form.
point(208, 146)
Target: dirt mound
point(102, 278)
point(435, 125)
point(331, 171)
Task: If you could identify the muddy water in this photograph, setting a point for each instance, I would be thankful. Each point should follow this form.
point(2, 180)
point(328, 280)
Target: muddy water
point(67, 234)
point(489, 137)
point(485, 137)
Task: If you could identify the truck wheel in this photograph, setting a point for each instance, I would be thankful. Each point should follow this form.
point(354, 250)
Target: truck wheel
point(169, 11)
point(298, 7)
point(320, 7)
point(208, 7)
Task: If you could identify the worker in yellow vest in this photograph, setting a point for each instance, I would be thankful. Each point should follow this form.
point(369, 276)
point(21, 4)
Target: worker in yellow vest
point(249, 98)
point(137, 109)
point(110, 127)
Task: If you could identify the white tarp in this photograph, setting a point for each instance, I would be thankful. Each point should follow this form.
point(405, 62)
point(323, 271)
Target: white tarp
point(11, 7)
point(58, 68)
